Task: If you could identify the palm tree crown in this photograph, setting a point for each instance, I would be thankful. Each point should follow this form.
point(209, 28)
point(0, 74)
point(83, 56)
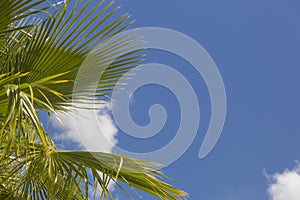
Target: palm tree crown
point(42, 47)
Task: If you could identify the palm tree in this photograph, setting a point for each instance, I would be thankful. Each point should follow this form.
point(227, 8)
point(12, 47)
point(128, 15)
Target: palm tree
point(42, 47)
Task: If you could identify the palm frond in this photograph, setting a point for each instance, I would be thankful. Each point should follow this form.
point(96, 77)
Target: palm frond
point(64, 42)
point(50, 173)
point(134, 172)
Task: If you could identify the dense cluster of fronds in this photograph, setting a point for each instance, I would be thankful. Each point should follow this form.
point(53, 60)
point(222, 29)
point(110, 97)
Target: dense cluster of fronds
point(42, 47)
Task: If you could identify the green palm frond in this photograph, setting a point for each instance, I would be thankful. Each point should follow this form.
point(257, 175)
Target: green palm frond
point(53, 171)
point(64, 42)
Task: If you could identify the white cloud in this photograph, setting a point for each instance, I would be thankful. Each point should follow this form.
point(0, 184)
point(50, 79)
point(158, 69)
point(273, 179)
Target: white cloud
point(286, 185)
point(92, 130)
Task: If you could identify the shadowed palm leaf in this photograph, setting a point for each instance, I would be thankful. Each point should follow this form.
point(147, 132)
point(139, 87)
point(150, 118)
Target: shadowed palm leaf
point(42, 48)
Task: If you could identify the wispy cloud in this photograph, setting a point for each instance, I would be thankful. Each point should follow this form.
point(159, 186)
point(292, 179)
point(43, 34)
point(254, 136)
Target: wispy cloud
point(285, 185)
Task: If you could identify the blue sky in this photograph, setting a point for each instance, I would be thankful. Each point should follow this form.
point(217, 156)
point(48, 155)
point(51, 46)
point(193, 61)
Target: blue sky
point(256, 46)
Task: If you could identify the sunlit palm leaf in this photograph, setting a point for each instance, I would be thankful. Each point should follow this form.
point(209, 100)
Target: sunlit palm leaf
point(64, 42)
point(53, 171)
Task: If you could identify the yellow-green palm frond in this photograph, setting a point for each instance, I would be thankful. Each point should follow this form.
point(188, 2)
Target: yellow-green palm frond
point(57, 174)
